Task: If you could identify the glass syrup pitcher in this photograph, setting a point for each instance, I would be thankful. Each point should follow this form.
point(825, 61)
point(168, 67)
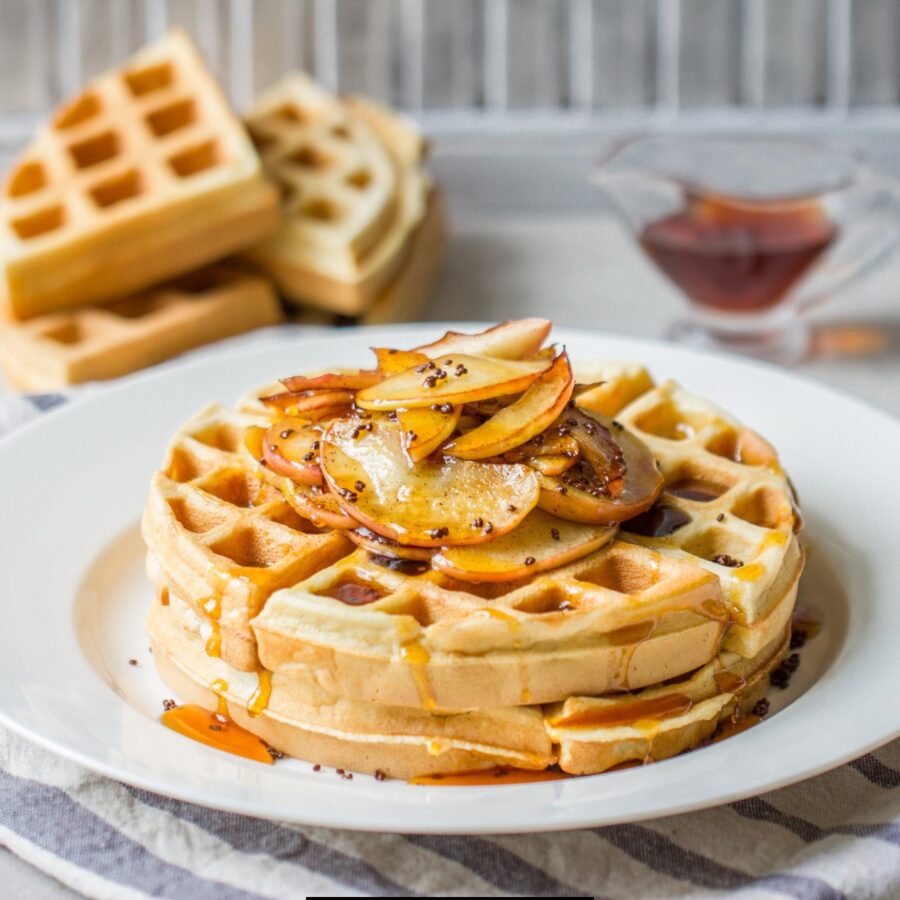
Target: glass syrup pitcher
point(753, 231)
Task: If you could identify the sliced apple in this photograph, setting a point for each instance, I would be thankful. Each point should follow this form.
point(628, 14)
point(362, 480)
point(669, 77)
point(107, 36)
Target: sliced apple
point(308, 500)
point(541, 542)
point(380, 545)
point(515, 339)
point(332, 381)
point(538, 407)
point(290, 447)
point(424, 430)
point(391, 361)
point(617, 477)
point(316, 504)
point(552, 465)
point(492, 406)
point(547, 443)
point(451, 379)
point(310, 404)
point(437, 502)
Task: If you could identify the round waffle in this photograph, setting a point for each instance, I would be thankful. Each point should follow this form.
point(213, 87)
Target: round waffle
point(303, 719)
point(704, 581)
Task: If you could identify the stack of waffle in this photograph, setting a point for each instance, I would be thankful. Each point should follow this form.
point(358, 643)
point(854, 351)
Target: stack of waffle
point(343, 655)
point(116, 219)
point(362, 227)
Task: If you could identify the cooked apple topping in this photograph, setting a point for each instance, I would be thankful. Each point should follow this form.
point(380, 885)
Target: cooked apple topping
point(468, 455)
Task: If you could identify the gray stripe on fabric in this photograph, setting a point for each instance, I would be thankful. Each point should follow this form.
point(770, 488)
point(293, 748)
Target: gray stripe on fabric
point(876, 771)
point(45, 402)
point(664, 855)
point(248, 835)
point(495, 865)
point(43, 815)
point(759, 810)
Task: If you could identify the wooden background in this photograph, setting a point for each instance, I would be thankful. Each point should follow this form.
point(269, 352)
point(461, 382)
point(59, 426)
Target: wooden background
point(591, 56)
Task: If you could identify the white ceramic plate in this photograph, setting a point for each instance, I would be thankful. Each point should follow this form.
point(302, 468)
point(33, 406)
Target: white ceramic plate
point(73, 597)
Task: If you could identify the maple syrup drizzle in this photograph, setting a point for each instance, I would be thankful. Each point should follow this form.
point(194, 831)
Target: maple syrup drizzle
point(735, 726)
point(660, 520)
point(353, 593)
point(495, 776)
point(502, 616)
point(214, 641)
point(417, 658)
point(805, 623)
point(729, 682)
point(260, 699)
point(696, 489)
point(215, 730)
point(630, 638)
point(647, 714)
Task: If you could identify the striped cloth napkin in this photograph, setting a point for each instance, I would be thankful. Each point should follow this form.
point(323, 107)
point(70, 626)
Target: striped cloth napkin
point(834, 836)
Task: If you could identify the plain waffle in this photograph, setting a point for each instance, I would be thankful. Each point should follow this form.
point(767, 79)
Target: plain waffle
point(352, 195)
point(90, 344)
point(301, 717)
point(635, 652)
point(147, 175)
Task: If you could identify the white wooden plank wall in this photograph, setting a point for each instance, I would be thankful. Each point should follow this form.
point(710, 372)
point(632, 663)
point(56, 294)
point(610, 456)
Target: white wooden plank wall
point(484, 56)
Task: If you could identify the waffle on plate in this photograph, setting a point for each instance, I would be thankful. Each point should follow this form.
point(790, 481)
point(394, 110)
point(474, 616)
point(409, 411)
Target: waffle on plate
point(473, 554)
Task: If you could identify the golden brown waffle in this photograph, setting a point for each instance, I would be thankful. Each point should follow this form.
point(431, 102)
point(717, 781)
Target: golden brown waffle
point(403, 300)
point(302, 718)
point(653, 615)
point(353, 195)
point(223, 539)
point(147, 175)
point(80, 345)
point(621, 618)
point(729, 485)
point(594, 734)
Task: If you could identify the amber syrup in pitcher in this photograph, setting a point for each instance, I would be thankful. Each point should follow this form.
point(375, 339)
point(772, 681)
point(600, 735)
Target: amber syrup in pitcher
point(737, 255)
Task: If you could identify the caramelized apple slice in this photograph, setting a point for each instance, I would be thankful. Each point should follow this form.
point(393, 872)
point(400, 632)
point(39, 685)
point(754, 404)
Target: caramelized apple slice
point(451, 379)
point(436, 502)
point(316, 504)
point(541, 542)
point(544, 400)
point(332, 381)
point(617, 477)
point(289, 447)
point(307, 500)
point(547, 443)
point(380, 545)
point(391, 361)
point(492, 406)
point(424, 430)
point(310, 404)
point(552, 465)
point(515, 339)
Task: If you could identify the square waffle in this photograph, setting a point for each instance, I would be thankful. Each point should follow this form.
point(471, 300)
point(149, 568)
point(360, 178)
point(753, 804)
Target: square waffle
point(353, 194)
point(80, 345)
point(147, 175)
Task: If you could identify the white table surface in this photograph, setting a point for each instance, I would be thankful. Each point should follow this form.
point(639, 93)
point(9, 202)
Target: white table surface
point(530, 238)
